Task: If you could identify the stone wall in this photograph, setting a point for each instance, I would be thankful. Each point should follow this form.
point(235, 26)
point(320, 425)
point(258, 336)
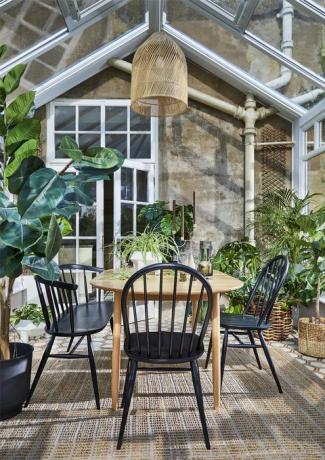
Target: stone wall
point(201, 150)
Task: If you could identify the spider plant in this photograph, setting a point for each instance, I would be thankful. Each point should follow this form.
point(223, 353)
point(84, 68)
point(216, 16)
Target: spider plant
point(150, 241)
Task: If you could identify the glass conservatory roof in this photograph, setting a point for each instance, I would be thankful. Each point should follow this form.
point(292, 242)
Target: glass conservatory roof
point(272, 48)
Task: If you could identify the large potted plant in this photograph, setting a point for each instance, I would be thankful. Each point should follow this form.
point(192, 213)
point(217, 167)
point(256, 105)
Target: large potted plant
point(35, 204)
point(287, 224)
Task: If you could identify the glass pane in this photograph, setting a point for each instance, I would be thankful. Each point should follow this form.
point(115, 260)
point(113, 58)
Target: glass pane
point(126, 219)
point(237, 50)
point(142, 186)
point(117, 141)
point(89, 140)
point(127, 184)
point(65, 118)
point(138, 122)
point(316, 178)
point(307, 32)
point(322, 127)
point(229, 5)
point(140, 145)
point(69, 52)
point(89, 118)
point(140, 225)
point(87, 221)
point(309, 139)
point(116, 119)
point(67, 253)
point(87, 252)
point(58, 138)
point(83, 4)
point(26, 23)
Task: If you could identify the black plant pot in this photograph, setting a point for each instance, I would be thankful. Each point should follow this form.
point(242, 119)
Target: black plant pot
point(15, 379)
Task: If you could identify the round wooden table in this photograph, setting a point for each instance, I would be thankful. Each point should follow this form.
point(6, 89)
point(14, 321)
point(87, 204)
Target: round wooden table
point(220, 283)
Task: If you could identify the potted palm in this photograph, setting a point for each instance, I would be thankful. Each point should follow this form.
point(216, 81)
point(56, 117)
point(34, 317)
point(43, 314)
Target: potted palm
point(286, 224)
point(35, 204)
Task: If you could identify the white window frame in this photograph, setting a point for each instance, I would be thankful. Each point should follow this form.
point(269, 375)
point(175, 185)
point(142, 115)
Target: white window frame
point(149, 164)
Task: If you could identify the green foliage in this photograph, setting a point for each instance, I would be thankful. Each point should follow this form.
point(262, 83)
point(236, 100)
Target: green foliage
point(160, 245)
point(157, 216)
point(29, 311)
point(241, 260)
point(33, 223)
point(289, 226)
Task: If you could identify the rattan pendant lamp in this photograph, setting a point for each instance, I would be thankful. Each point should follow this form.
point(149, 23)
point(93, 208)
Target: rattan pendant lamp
point(159, 78)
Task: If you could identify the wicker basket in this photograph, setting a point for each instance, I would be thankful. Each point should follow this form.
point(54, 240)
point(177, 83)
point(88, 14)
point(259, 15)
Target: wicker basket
point(281, 323)
point(312, 337)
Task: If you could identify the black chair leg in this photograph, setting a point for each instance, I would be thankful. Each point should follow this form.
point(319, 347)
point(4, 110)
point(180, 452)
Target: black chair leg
point(208, 353)
point(251, 338)
point(223, 354)
point(128, 396)
point(93, 370)
point(269, 360)
point(111, 322)
point(70, 343)
point(199, 399)
point(126, 383)
point(40, 369)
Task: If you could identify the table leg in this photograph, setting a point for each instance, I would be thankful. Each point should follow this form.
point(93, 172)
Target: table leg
point(216, 376)
point(116, 354)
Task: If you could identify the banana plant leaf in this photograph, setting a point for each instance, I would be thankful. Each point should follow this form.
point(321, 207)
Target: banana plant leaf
point(19, 108)
point(11, 259)
point(40, 266)
point(12, 79)
point(25, 130)
point(54, 239)
point(21, 234)
point(40, 194)
point(26, 168)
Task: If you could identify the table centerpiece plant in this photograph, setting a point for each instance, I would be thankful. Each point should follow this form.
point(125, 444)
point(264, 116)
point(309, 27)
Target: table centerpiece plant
point(36, 203)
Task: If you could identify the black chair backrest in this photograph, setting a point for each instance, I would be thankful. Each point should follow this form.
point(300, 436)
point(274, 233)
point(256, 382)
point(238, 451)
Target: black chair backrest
point(56, 299)
point(81, 275)
point(173, 316)
point(266, 289)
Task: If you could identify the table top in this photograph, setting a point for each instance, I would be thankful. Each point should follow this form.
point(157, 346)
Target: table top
point(108, 280)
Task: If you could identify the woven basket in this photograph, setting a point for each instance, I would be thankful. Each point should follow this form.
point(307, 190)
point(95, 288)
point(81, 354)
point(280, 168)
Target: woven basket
point(281, 323)
point(312, 337)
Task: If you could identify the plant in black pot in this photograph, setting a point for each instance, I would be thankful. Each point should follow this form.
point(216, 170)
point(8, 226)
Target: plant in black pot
point(35, 204)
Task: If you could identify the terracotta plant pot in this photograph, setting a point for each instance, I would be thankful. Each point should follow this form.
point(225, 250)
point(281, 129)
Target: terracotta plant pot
point(312, 337)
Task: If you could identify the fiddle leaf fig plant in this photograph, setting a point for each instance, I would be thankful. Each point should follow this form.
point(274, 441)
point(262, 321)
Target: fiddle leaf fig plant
point(36, 202)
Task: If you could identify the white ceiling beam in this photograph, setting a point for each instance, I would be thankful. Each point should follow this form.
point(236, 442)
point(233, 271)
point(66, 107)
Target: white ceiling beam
point(312, 8)
point(90, 66)
point(60, 36)
point(210, 12)
point(155, 11)
point(232, 74)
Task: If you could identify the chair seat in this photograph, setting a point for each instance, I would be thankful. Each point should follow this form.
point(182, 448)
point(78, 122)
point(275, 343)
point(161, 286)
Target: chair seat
point(231, 321)
point(165, 356)
point(88, 319)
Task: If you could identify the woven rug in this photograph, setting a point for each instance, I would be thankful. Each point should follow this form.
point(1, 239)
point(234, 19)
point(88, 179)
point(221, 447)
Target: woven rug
point(254, 422)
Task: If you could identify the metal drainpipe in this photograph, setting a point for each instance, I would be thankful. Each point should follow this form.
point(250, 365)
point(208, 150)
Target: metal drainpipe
point(249, 118)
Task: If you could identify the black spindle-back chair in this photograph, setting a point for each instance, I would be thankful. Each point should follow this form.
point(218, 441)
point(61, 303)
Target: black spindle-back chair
point(256, 315)
point(82, 275)
point(171, 339)
point(65, 317)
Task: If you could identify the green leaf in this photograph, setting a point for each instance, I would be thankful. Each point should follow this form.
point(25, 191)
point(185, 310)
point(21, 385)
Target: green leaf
point(3, 94)
point(70, 148)
point(23, 131)
point(65, 226)
point(40, 266)
point(66, 209)
point(93, 176)
point(12, 79)
point(26, 168)
point(8, 210)
point(54, 239)
point(104, 159)
point(40, 194)
point(3, 50)
point(10, 261)
point(3, 130)
point(21, 234)
point(19, 108)
point(38, 249)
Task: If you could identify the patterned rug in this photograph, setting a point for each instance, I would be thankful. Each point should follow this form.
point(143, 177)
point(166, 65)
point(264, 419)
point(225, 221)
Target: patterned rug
point(254, 422)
